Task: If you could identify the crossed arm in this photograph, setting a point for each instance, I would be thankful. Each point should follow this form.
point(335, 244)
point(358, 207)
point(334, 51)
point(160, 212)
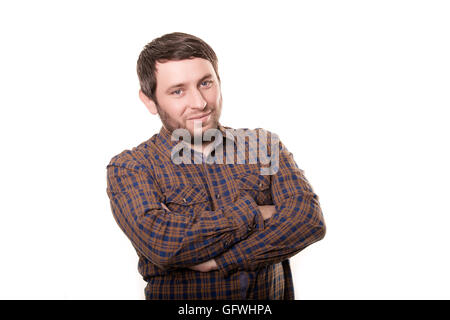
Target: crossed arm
point(296, 221)
point(266, 211)
point(220, 239)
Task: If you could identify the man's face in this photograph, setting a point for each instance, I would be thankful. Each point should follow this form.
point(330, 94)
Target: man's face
point(187, 91)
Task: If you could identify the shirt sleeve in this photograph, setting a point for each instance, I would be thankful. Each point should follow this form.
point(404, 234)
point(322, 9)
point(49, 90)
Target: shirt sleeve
point(170, 239)
point(297, 223)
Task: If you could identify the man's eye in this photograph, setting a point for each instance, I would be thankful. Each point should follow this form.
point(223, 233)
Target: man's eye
point(177, 92)
point(206, 83)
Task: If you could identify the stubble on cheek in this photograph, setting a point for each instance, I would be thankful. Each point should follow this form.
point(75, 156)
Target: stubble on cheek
point(170, 123)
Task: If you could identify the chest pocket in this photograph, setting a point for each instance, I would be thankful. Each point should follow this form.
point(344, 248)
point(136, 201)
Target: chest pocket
point(258, 186)
point(187, 199)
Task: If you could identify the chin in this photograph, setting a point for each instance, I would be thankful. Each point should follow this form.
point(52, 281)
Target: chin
point(191, 129)
point(205, 125)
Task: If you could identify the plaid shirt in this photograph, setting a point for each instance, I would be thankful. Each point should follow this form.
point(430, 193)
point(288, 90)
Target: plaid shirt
point(213, 215)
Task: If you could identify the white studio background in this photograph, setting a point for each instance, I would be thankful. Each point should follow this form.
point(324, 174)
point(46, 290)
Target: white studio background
point(357, 90)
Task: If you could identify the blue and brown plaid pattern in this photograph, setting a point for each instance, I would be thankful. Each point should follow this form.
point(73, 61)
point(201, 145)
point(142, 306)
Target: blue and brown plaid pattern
point(213, 214)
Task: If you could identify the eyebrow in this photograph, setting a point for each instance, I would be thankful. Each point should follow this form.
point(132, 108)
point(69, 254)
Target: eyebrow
point(178, 85)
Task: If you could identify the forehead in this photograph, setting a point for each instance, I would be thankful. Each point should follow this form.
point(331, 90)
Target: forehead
point(182, 71)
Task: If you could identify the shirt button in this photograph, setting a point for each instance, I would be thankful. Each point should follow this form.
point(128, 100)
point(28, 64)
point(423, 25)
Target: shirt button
point(184, 200)
point(260, 185)
point(227, 243)
point(250, 228)
point(217, 196)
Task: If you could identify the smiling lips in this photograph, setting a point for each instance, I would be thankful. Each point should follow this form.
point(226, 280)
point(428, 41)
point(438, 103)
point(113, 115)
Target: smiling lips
point(200, 117)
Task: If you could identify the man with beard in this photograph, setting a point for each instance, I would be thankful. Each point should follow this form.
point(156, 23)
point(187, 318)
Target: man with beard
point(208, 229)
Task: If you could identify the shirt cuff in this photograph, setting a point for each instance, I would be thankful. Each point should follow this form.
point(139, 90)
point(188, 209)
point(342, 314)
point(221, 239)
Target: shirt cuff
point(259, 220)
point(245, 216)
point(230, 261)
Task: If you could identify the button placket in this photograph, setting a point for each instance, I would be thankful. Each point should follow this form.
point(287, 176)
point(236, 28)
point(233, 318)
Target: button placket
point(210, 188)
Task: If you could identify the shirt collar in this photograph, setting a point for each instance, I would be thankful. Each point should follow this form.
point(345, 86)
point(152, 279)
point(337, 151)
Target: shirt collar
point(166, 136)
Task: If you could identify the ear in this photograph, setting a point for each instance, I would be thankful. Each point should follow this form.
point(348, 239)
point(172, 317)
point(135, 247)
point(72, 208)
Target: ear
point(149, 103)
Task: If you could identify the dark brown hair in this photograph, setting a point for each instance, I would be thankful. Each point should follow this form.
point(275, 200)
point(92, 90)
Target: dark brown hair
point(171, 46)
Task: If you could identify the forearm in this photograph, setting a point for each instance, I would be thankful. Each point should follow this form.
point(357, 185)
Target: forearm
point(266, 211)
point(210, 233)
point(297, 224)
point(172, 239)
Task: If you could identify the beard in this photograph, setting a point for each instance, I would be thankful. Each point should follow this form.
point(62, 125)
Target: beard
point(172, 124)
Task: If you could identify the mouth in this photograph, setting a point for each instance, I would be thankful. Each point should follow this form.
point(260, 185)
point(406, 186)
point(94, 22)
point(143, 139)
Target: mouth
point(201, 117)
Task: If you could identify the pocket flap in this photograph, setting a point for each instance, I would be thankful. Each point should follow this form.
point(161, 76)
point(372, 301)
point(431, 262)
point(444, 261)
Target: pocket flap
point(186, 195)
point(254, 181)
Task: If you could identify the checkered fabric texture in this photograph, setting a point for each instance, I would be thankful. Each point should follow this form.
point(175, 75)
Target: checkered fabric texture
point(213, 215)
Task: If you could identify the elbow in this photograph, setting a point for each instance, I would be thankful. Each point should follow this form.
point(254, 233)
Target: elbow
point(321, 230)
point(164, 261)
point(314, 234)
point(319, 226)
point(317, 223)
point(160, 259)
point(316, 229)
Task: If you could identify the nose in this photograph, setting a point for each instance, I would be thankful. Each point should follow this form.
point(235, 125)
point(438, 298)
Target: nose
point(197, 100)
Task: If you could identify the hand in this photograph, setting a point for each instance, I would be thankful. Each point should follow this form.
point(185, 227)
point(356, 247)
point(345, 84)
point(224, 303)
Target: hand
point(205, 266)
point(267, 211)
